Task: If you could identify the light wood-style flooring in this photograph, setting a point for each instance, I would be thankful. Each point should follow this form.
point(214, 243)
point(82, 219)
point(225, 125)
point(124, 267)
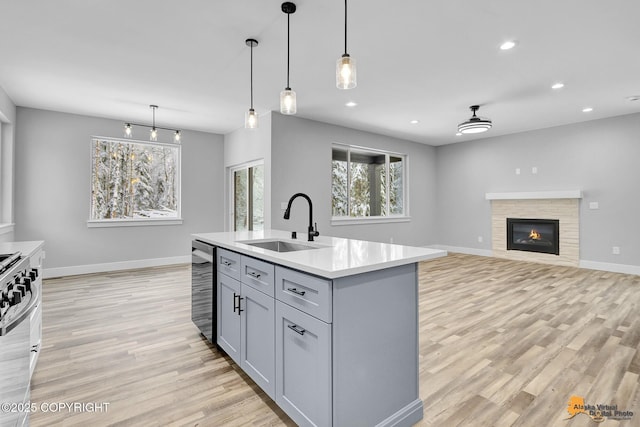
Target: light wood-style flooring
point(502, 343)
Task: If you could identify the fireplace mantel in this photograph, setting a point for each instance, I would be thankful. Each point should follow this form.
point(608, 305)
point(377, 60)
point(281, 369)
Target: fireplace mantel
point(535, 195)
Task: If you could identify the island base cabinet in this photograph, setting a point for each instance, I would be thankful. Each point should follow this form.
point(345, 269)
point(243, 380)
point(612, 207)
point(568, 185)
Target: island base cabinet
point(303, 366)
point(258, 338)
point(228, 316)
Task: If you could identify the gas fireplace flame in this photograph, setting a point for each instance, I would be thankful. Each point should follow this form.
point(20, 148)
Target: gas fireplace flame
point(535, 235)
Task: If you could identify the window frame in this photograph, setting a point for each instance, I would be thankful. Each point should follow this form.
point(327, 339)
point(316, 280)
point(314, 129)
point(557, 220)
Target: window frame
point(136, 222)
point(354, 220)
point(231, 195)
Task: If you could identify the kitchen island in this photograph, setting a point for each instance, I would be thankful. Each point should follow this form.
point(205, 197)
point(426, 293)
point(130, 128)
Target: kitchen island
point(328, 329)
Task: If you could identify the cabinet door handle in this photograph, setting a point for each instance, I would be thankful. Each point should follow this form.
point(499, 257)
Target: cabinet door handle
point(254, 274)
point(236, 307)
point(296, 329)
point(295, 291)
point(226, 263)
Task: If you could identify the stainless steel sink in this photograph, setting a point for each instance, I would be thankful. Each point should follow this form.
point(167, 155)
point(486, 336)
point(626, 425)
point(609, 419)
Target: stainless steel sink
point(280, 245)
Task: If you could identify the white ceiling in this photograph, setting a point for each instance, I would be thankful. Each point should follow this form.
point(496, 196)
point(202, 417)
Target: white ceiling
point(417, 59)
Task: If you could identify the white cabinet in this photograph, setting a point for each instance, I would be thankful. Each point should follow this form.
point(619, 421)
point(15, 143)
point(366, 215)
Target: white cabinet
point(303, 366)
point(246, 319)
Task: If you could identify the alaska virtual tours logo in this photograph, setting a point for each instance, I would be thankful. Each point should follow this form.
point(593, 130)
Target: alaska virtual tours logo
point(597, 413)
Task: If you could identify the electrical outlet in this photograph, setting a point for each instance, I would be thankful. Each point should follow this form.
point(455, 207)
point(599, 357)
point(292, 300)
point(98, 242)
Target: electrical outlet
point(534, 170)
point(480, 239)
point(616, 250)
point(594, 205)
point(517, 171)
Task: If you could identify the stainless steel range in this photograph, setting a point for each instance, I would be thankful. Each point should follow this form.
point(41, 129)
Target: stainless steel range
point(20, 323)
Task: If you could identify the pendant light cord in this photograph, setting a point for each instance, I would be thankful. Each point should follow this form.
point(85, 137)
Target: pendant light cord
point(288, 16)
point(345, 27)
point(251, 46)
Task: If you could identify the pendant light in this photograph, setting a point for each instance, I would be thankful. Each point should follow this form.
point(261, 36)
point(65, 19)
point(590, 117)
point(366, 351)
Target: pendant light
point(475, 124)
point(346, 65)
point(250, 117)
point(288, 96)
point(153, 133)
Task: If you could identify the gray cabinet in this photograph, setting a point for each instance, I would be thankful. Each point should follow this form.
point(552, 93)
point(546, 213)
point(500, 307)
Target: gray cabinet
point(258, 339)
point(303, 366)
point(330, 352)
point(229, 295)
point(246, 316)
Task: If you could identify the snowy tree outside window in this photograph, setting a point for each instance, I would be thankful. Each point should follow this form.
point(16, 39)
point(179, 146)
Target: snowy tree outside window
point(134, 180)
point(367, 183)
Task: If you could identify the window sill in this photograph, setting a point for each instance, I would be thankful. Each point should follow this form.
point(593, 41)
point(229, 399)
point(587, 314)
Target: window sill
point(105, 223)
point(369, 220)
point(6, 228)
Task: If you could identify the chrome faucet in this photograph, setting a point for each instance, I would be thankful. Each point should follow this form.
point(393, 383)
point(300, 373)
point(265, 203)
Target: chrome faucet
point(311, 230)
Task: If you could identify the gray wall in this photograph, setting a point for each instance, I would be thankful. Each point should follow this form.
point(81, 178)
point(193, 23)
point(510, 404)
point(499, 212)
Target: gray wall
point(7, 128)
point(600, 157)
point(53, 192)
point(301, 162)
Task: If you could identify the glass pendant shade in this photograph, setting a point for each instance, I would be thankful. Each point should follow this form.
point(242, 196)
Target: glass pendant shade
point(250, 119)
point(288, 101)
point(346, 72)
point(153, 136)
point(177, 136)
point(127, 130)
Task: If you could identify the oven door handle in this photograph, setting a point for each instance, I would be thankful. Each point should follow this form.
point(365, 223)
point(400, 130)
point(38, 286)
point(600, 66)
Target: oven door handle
point(33, 303)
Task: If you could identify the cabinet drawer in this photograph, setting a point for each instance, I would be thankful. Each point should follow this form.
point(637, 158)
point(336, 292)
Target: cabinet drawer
point(257, 274)
point(308, 293)
point(229, 263)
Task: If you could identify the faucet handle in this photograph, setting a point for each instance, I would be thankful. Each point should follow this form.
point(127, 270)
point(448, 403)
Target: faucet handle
point(315, 229)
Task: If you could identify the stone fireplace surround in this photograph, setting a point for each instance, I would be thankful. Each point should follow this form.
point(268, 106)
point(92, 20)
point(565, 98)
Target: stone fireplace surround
point(561, 205)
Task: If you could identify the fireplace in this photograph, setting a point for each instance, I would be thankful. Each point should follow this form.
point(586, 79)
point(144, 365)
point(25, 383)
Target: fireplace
point(533, 235)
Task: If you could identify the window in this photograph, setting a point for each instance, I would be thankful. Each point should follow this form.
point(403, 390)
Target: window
point(248, 197)
point(134, 181)
point(367, 183)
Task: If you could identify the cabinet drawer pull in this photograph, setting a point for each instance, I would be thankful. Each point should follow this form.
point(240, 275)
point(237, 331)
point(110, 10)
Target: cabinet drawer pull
point(295, 291)
point(296, 329)
point(226, 263)
point(254, 274)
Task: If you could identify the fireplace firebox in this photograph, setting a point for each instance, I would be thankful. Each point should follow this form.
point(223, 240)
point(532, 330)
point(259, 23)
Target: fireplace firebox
point(533, 235)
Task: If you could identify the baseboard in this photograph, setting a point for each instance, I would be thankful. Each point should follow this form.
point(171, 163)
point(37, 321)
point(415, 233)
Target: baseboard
point(607, 266)
point(461, 250)
point(407, 416)
point(113, 266)
point(592, 265)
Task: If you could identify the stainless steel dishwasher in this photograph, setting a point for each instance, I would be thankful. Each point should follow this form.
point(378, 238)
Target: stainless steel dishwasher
point(203, 294)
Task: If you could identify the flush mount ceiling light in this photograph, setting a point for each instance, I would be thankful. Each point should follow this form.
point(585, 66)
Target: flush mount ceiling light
point(153, 133)
point(509, 44)
point(250, 117)
point(587, 109)
point(346, 65)
point(288, 96)
point(558, 85)
point(475, 124)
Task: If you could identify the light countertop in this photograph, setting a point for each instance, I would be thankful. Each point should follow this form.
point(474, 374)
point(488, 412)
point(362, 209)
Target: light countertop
point(26, 248)
point(335, 256)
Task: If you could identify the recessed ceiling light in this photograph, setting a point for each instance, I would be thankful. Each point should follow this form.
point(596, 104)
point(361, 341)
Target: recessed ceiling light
point(509, 44)
point(351, 104)
point(558, 85)
point(414, 122)
point(459, 134)
point(587, 110)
